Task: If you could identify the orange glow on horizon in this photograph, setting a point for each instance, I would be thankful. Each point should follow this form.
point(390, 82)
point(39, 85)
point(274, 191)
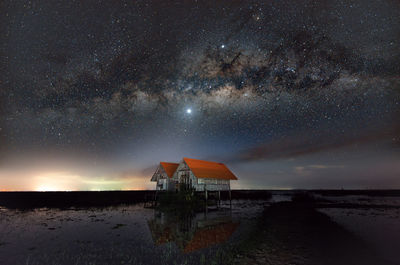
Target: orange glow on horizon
point(49, 178)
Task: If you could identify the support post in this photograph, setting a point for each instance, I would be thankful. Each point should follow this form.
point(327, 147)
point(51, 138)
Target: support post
point(230, 195)
point(154, 202)
point(219, 198)
point(206, 195)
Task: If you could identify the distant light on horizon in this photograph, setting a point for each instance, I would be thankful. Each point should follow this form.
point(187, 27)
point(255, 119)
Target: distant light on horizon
point(57, 181)
point(45, 187)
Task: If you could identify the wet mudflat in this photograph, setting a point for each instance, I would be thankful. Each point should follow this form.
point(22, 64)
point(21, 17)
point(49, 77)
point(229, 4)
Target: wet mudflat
point(378, 225)
point(123, 235)
point(298, 234)
point(330, 230)
point(327, 230)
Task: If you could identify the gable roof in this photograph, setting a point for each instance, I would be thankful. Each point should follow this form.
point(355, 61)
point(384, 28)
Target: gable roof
point(169, 168)
point(208, 169)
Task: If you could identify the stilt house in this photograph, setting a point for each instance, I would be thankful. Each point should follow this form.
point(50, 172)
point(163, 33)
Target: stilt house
point(199, 174)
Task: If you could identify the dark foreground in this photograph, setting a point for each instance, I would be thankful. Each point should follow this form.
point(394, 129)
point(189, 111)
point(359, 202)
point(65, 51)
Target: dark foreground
point(30, 200)
point(296, 233)
point(319, 227)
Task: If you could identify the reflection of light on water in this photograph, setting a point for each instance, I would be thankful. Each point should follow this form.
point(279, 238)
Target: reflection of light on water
point(192, 232)
point(134, 240)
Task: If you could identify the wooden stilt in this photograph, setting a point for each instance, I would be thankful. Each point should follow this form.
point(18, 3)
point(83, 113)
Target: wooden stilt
point(219, 198)
point(230, 196)
point(154, 203)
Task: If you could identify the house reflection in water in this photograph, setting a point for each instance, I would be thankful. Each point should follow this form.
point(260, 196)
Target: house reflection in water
point(191, 232)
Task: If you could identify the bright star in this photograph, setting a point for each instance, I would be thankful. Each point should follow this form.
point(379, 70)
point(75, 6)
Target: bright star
point(223, 46)
point(188, 111)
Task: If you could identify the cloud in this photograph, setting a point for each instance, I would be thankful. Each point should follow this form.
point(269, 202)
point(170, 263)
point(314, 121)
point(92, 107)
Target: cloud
point(309, 169)
point(308, 142)
point(326, 166)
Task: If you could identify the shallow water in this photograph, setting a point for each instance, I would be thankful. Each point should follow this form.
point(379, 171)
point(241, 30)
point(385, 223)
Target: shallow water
point(132, 234)
point(379, 227)
point(122, 235)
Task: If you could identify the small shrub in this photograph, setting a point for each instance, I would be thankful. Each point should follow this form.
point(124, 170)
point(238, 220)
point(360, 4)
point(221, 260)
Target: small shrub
point(184, 200)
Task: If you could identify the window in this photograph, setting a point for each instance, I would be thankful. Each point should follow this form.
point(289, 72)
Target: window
point(212, 181)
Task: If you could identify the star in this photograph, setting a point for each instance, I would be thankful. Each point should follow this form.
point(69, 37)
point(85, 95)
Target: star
point(136, 75)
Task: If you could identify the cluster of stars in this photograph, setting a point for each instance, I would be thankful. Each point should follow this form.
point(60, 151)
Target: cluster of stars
point(102, 78)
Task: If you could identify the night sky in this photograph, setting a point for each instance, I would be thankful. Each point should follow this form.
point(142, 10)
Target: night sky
point(289, 94)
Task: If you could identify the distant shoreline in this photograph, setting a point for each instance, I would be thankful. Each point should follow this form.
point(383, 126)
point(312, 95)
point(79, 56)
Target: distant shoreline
point(79, 199)
point(68, 199)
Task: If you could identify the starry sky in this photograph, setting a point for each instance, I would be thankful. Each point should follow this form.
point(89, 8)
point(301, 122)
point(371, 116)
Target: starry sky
point(289, 94)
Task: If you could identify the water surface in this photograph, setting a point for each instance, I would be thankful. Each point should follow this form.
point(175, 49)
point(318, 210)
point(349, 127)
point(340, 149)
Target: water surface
point(123, 235)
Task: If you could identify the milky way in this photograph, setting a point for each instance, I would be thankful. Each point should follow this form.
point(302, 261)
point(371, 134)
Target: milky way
point(264, 81)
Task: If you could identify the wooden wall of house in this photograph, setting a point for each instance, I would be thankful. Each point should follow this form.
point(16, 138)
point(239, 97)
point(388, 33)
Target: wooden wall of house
point(161, 174)
point(222, 184)
point(156, 174)
point(182, 167)
point(208, 183)
point(170, 184)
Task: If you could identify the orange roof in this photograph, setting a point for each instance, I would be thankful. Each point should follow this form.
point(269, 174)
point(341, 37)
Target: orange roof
point(169, 168)
point(207, 169)
point(209, 236)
